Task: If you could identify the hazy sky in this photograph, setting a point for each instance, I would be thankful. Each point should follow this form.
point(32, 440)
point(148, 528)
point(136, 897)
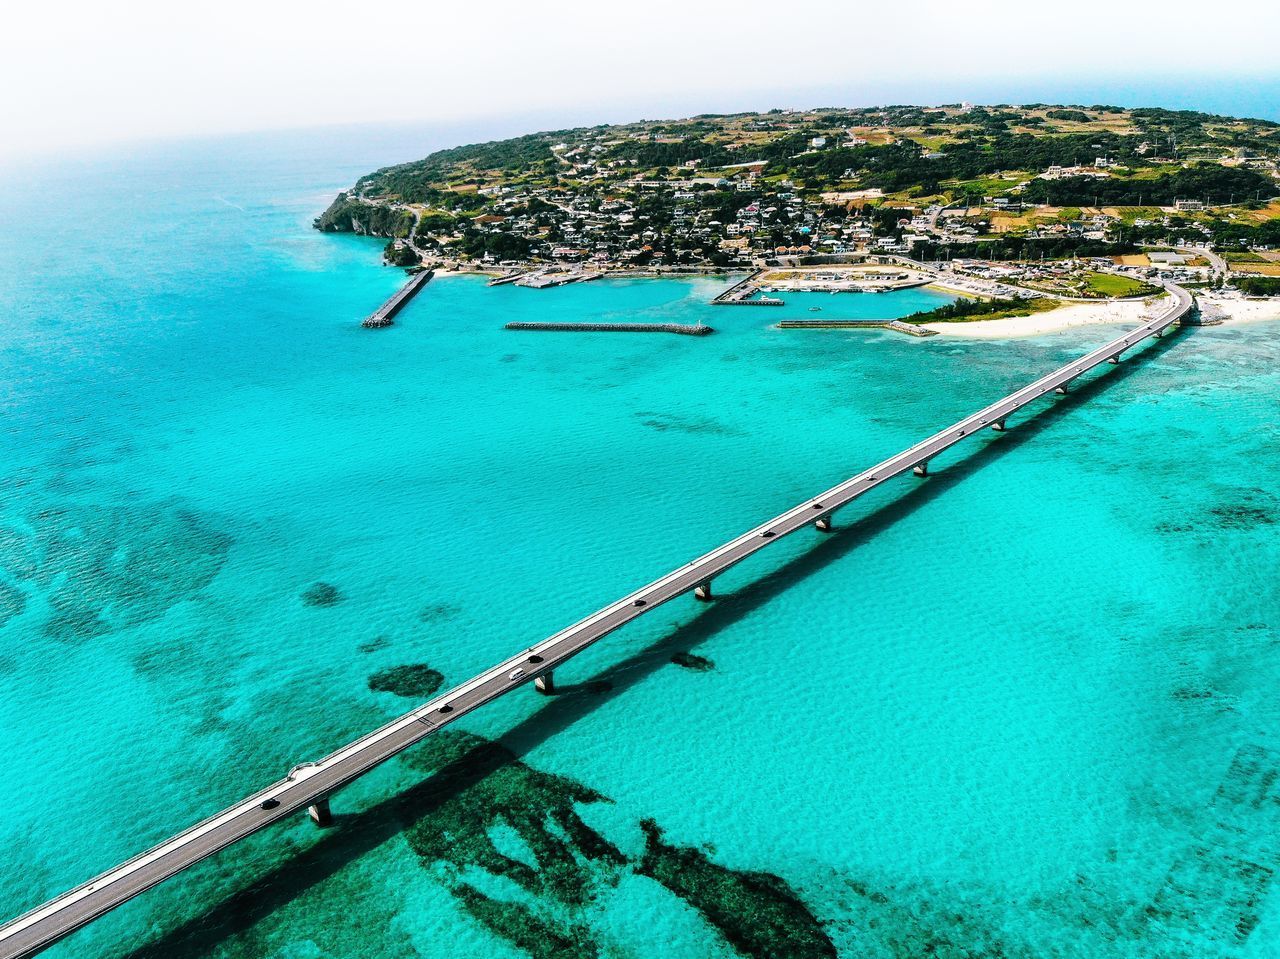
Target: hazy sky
point(74, 72)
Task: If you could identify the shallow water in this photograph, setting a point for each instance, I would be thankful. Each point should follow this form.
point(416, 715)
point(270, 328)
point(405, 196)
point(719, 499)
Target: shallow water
point(1022, 708)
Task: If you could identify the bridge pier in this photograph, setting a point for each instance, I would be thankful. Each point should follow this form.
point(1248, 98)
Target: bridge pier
point(703, 591)
point(998, 426)
point(823, 523)
point(921, 469)
point(546, 683)
point(1114, 359)
point(1062, 390)
point(320, 813)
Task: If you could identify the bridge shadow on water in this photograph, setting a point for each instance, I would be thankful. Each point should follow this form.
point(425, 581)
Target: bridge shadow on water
point(355, 835)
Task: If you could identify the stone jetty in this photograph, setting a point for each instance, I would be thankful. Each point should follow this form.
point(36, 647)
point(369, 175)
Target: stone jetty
point(385, 313)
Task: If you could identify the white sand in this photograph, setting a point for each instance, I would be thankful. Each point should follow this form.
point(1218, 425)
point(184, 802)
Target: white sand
point(1236, 309)
point(1072, 314)
point(1233, 310)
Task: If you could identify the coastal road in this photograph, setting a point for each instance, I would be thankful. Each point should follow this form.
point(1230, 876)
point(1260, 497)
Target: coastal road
point(1216, 262)
point(312, 783)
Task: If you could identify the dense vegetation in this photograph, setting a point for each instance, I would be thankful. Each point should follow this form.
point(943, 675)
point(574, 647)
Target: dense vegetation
point(418, 182)
point(345, 215)
point(1259, 285)
point(1023, 248)
point(399, 254)
point(996, 309)
point(1209, 183)
point(908, 165)
point(1076, 116)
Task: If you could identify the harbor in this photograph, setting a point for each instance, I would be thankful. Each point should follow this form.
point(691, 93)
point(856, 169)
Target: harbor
point(741, 292)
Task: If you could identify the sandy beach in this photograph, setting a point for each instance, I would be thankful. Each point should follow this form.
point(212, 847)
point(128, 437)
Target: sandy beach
point(1236, 309)
point(1233, 310)
point(1073, 314)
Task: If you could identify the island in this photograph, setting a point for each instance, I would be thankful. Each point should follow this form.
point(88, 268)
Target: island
point(1065, 202)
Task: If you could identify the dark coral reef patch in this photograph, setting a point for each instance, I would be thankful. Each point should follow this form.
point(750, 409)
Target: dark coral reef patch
point(416, 680)
point(693, 661)
point(322, 594)
point(107, 567)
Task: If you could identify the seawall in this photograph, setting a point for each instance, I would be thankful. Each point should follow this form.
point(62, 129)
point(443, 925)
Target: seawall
point(897, 326)
point(678, 328)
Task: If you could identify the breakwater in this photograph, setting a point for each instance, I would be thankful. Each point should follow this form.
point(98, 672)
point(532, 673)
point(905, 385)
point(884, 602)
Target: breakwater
point(385, 313)
point(678, 328)
point(897, 326)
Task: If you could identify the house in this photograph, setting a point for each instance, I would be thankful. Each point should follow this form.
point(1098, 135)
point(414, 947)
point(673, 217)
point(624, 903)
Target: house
point(1190, 206)
point(1056, 172)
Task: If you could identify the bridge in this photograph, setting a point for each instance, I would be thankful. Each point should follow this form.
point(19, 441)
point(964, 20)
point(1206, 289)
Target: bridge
point(309, 786)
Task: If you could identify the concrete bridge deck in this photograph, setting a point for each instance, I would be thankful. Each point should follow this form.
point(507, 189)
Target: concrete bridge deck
point(308, 786)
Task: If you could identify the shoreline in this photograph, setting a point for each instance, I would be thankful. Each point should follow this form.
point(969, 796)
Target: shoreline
point(1240, 310)
point(1071, 315)
point(1064, 317)
point(602, 274)
point(1068, 316)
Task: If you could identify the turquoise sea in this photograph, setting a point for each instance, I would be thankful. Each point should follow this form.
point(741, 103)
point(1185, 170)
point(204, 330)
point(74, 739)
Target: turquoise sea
point(1024, 708)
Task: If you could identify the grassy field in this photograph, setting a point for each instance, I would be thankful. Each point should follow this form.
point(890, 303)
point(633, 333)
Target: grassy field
point(1127, 214)
point(985, 185)
point(1262, 268)
point(1010, 222)
point(1108, 284)
point(1093, 285)
point(875, 136)
point(1269, 211)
